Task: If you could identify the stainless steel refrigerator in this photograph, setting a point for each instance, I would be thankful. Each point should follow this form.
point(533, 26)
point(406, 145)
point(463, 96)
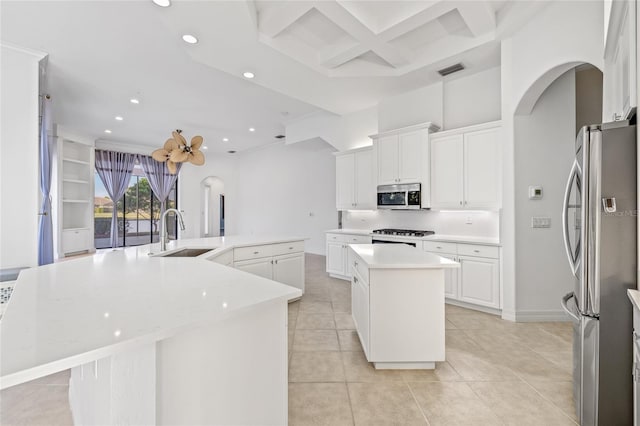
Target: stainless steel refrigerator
point(599, 224)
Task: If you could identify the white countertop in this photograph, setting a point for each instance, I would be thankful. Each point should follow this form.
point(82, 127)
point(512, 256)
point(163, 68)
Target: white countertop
point(436, 237)
point(634, 296)
point(400, 256)
point(77, 311)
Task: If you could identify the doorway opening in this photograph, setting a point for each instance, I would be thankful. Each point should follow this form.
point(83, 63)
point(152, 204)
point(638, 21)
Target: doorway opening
point(212, 210)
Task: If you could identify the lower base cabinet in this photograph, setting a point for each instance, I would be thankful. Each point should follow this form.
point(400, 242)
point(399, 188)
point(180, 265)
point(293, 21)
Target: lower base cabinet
point(285, 268)
point(477, 282)
point(337, 253)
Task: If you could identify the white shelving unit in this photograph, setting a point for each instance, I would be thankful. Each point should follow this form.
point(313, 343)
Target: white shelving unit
point(73, 197)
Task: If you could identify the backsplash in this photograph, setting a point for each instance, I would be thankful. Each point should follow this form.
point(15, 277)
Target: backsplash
point(483, 223)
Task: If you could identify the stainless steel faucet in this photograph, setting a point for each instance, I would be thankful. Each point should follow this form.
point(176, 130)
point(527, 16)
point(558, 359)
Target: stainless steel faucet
point(164, 234)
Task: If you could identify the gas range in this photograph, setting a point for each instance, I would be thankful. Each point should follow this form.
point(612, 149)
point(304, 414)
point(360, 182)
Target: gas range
point(403, 232)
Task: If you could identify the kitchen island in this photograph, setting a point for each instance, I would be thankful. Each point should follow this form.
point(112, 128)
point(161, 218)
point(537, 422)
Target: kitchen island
point(398, 304)
point(153, 339)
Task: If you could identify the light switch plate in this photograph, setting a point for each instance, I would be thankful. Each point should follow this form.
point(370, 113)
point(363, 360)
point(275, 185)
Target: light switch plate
point(541, 222)
point(535, 192)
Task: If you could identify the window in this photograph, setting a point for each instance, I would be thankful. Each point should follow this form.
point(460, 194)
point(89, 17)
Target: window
point(138, 213)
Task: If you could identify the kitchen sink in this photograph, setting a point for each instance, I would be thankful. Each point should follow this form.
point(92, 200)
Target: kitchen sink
point(187, 252)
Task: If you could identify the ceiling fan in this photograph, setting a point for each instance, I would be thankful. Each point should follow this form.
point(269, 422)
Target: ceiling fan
point(176, 150)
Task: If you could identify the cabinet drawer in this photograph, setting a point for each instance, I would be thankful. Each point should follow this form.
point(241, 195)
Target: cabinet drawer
point(479, 250)
point(286, 248)
point(252, 252)
point(356, 264)
point(349, 238)
point(225, 258)
point(75, 240)
point(439, 247)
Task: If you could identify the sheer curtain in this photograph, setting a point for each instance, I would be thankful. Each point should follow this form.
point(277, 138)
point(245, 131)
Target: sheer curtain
point(114, 169)
point(45, 226)
point(159, 178)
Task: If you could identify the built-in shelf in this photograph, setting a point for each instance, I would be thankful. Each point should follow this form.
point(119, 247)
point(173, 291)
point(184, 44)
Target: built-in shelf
point(75, 201)
point(86, 182)
point(73, 160)
point(75, 229)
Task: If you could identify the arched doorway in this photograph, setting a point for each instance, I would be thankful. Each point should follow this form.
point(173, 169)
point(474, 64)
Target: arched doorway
point(545, 125)
point(212, 207)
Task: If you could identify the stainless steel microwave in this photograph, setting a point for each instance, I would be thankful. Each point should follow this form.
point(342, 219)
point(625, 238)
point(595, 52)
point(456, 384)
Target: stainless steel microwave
point(399, 197)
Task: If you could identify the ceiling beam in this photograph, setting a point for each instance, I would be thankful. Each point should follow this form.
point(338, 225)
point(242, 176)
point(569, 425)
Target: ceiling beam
point(478, 15)
point(275, 19)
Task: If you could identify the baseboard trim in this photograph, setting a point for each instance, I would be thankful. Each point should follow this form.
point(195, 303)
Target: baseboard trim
point(485, 309)
point(542, 316)
point(340, 277)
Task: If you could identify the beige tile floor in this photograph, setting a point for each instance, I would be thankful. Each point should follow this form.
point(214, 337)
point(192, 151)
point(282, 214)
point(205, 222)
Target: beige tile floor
point(496, 373)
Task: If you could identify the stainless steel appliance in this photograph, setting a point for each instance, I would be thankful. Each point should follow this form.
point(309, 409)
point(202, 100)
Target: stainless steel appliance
point(399, 197)
point(599, 224)
point(399, 236)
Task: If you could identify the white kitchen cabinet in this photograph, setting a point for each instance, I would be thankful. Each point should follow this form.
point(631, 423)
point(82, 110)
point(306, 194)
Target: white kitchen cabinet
point(289, 269)
point(477, 282)
point(480, 281)
point(355, 183)
point(337, 254)
point(466, 168)
point(282, 262)
point(260, 267)
point(620, 76)
point(360, 309)
point(402, 156)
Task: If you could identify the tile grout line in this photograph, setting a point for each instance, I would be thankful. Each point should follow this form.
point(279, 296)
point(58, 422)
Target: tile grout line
point(550, 401)
point(415, 399)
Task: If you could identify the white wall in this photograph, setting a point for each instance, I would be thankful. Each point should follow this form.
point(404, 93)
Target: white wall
point(417, 106)
point(483, 224)
point(19, 174)
point(472, 99)
point(286, 190)
point(544, 153)
point(562, 35)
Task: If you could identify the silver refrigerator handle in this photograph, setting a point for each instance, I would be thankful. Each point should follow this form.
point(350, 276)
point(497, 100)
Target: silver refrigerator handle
point(565, 217)
point(565, 300)
point(592, 225)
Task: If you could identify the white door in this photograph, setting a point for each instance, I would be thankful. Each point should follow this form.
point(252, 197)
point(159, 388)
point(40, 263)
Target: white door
point(260, 267)
point(446, 172)
point(289, 269)
point(387, 150)
point(479, 281)
point(365, 185)
point(410, 156)
point(482, 183)
point(336, 258)
point(344, 182)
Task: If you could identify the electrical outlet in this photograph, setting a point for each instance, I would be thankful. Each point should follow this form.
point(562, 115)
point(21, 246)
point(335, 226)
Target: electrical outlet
point(469, 220)
point(541, 222)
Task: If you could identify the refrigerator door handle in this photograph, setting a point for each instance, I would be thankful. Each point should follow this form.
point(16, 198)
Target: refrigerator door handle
point(575, 170)
point(565, 300)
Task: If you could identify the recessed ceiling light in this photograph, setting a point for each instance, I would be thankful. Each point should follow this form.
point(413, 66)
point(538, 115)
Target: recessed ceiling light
point(248, 74)
point(134, 101)
point(188, 38)
point(205, 147)
point(107, 131)
point(251, 129)
point(225, 139)
point(162, 3)
point(119, 118)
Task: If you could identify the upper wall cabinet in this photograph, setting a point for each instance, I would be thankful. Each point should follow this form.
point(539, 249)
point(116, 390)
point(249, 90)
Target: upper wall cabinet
point(355, 183)
point(620, 61)
point(402, 156)
point(466, 168)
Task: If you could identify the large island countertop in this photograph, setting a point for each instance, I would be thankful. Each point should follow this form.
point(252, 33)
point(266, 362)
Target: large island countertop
point(400, 256)
point(78, 311)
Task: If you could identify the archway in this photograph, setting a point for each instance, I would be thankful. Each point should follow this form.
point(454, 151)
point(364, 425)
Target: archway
point(545, 124)
point(212, 210)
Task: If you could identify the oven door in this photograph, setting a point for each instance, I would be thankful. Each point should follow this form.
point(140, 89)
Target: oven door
point(376, 240)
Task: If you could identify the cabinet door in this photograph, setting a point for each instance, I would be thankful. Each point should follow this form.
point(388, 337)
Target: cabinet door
point(480, 281)
point(336, 258)
point(289, 269)
point(410, 163)
point(260, 267)
point(387, 150)
point(446, 172)
point(482, 169)
point(345, 182)
point(451, 279)
point(361, 313)
point(365, 185)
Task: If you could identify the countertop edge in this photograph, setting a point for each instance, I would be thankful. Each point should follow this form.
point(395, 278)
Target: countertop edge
point(634, 296)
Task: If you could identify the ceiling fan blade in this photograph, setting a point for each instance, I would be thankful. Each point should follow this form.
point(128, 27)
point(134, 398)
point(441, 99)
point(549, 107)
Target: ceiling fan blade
point(171, 166)
point(160, 155)
point(171, 144)
point(179, 138)
point(196, 158)
point(178, 156)
point(196, 142)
